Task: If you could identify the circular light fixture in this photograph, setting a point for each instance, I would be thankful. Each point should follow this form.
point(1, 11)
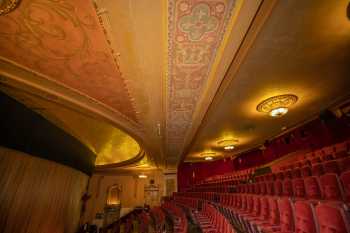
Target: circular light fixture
point(142, 176)
point(277, 106)
point(208, 155)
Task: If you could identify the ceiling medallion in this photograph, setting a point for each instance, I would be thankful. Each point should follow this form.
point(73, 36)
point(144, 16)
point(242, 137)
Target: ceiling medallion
point(277, 106)
point(7, 6)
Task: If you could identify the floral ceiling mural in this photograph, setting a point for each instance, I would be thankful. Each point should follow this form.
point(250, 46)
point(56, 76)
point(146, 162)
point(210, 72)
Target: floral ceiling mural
point(196, 29)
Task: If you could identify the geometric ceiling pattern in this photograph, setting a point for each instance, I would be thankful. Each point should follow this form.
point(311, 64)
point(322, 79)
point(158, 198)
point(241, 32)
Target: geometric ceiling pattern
point(196, 29)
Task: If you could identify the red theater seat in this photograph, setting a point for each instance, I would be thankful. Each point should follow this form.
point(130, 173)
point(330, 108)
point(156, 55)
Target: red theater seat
point(345, 179)
point(278, 187)
point(331, 187)
point(304, 217)
point(286, 215)
point(279, 176)
point(344, 163)
point(273, 218)
point(299, 188)
point(332, 219)
point(270, 189)
point(317, 169)
point(262, 188)
point(327, 157)
point(331, 167)
point(287, 174)
point(296, 173)
point(287, 188)
point(315, 160)
point(306, 171)
point(312, 188)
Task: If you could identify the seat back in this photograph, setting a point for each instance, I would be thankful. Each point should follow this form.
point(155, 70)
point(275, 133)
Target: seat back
point(345, 180)
point(286, 214)
point(331, 188)
point(287, 174)
point(262, 188)
point(312, 188)
point(274, 214)
point(264, 208)
point(270, 188)
point(287, 187)
point(344, 163)
point(332, 219)
point(278, 187)
point(304, 217)
point(299, 187)
point(331, 167)
point(306, 171)
point(296, 173)
point(317, 169)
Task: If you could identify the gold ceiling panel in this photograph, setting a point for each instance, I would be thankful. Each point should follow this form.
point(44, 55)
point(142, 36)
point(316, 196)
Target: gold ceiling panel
point(301, 48)
point(110, 144)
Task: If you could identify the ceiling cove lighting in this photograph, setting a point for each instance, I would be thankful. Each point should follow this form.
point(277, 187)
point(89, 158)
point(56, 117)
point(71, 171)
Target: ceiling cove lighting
point(142, 176)
point(277, 106)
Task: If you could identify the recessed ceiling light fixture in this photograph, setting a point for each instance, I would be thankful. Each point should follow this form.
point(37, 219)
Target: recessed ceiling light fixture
point(142, 176)
point(230, 147)
point(208, 155)
point(277, 106)
point(227, 144)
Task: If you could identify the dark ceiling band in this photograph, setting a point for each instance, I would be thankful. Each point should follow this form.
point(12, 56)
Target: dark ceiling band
point(24, 130)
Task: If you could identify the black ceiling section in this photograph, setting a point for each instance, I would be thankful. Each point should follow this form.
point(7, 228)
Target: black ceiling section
point(24, 130)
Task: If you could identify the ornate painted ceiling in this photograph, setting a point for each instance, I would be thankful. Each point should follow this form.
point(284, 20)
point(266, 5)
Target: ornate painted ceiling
point(146, 83)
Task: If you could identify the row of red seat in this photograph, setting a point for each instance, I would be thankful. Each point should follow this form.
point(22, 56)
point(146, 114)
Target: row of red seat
point(334, 158)
point(178, 216)
point(336, 151)
point(272, 213)
point(212, 221)
point(326, 187)
point(159, 219)
point(328, 164)
point(144, 221)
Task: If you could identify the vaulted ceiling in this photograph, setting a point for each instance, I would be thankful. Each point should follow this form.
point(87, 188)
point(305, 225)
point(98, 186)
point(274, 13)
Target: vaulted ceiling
point(145, 84)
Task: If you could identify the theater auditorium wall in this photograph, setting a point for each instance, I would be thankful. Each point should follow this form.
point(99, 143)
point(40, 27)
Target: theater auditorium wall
point(132, 191)
point(38, 195)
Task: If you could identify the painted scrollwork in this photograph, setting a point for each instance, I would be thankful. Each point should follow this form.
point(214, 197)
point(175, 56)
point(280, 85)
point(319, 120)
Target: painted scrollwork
point(63, 40)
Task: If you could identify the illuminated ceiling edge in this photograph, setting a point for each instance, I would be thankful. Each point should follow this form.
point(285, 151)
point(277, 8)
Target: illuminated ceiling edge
point(258, 21)
point(11, 74)
point(124, 163)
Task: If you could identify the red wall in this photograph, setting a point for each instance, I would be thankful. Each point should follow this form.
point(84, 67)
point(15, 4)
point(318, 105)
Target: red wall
point(313, 135)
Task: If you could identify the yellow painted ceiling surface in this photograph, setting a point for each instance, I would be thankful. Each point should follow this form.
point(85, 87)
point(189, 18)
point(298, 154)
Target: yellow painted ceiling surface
point(110, 144)
point(302, 49)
